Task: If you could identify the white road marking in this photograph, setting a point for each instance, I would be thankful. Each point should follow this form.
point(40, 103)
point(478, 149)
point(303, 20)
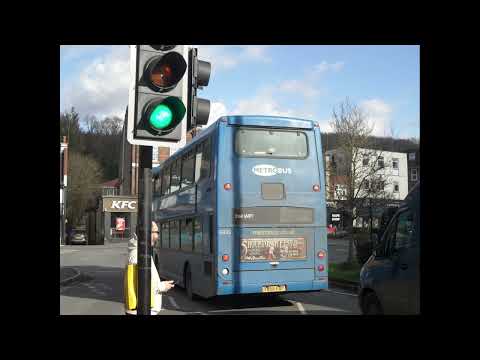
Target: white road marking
point(342, 293)
point(300, 308)
point(172, 301)
point(68, 251)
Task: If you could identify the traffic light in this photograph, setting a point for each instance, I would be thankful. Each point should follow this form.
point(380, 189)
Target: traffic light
point(198, 109)
point(158, 95)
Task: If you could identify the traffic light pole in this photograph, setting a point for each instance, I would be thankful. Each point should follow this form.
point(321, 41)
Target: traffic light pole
point(144, 230)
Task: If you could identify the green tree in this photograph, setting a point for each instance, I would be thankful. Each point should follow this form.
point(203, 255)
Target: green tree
point(351, 179)
point(70, 127)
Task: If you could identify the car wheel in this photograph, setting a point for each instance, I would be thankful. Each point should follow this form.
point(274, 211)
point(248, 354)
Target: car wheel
point(371, 305)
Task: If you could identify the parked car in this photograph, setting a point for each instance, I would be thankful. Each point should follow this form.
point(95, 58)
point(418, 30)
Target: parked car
point(390, 279)
point(78, 237)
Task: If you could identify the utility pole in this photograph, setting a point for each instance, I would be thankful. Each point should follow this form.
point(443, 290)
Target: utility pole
point(144, 229)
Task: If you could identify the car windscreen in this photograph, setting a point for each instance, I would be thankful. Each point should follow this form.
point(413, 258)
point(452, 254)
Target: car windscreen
point(271, 143)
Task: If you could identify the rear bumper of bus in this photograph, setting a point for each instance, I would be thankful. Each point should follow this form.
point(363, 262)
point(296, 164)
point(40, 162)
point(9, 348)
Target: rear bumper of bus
point(254, 288)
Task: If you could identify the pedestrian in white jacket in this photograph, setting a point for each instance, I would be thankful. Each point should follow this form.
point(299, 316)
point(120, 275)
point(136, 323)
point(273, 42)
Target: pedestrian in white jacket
point(158, 287)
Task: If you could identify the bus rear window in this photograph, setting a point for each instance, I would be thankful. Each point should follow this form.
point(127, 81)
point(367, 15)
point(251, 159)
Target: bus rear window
point(271, 143)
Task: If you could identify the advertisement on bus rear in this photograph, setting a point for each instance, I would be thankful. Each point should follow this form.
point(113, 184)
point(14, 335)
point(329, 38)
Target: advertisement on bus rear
point(272, 249)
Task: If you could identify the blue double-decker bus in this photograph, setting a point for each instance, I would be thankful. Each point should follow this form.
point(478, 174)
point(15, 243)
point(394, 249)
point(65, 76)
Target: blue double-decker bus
point(241, 209)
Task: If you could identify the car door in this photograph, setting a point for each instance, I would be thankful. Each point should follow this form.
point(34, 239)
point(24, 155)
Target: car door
point(383, 284)
point(405, 259)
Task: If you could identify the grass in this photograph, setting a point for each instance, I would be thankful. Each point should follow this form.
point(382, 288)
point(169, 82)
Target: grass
point(344, 271)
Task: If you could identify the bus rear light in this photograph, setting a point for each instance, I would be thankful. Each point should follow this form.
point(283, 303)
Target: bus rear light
point(225, 257)
point(321, 268)
point(227, 186)
point(225, 271)
point(321, 254)
point(316, 188)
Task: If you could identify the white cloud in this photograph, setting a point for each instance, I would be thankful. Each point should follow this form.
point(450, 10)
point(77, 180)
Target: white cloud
point(324, 66)
point(101, 88)
point(325, 125)
point(229, 56)
point(74, 52)
point(298, 86)
point(378, 114)
point(264, 103)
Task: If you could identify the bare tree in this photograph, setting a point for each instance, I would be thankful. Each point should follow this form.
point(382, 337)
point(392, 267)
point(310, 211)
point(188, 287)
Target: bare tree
point(357, 171)
point(85, 175)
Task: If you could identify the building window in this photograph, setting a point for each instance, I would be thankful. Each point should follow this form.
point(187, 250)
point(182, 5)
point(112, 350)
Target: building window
point(366, 185)
point(414, 175)
point(378, 185)
point(396, 187)
point(365, 160)
point(395, 164)
point(154, 153)
point(411, 156)
point(381, 163)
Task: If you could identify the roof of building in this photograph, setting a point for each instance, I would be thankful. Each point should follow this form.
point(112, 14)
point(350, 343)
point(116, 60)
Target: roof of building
point(111, 183)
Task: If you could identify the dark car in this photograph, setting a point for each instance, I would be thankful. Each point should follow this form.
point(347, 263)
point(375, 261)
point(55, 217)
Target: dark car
point(390, 279)
point(78, 236)
point(364, 245)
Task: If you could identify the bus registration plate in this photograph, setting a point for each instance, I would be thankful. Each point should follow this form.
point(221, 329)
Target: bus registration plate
point(274, 288)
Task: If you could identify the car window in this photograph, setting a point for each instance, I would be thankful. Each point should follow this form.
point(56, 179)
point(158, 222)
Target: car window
point(389, 238)
point(404, 232)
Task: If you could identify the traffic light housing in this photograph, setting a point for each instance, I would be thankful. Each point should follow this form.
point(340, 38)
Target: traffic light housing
point(158, 95)
point(198, 110)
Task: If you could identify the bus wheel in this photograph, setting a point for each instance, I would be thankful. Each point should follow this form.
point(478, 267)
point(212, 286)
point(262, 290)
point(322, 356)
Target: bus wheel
point(371, 305)
point(188, 283)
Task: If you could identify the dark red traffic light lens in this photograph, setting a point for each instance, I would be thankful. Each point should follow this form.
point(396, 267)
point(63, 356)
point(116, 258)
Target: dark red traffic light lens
point(161, 76)
point(164, 72)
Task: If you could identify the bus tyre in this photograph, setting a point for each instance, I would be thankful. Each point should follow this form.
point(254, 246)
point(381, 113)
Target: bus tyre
point(371, 305)
point(188, 283)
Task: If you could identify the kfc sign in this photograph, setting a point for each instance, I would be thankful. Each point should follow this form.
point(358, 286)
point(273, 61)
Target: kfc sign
point(119, 205)
point(122, 204)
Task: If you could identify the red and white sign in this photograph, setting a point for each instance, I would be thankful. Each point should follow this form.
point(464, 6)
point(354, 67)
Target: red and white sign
point(120, 224)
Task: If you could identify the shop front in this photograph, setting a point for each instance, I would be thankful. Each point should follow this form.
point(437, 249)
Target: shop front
point(112, 220)
point(119, 217)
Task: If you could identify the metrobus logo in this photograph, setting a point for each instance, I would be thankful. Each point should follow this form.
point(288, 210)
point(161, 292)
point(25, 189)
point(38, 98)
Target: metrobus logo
point(270, 170)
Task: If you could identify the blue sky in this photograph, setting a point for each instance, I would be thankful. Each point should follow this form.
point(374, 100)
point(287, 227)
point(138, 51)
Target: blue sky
point(305, 81)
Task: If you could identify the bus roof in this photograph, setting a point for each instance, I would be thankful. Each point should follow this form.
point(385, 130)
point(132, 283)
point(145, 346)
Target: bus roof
point(268, 121)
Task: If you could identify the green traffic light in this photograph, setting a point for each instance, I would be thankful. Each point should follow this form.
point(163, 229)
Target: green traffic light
point(161, 117)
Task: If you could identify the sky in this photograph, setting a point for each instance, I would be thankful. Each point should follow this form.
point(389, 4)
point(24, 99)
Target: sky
point(307, 81)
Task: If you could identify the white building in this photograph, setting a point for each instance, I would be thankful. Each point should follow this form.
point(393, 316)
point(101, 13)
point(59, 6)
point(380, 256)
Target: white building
point(381, 180)
point(383, 170)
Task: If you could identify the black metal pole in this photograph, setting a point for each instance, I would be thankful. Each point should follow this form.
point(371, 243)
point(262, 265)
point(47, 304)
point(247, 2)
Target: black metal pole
point(144, 230)
point(62, 222)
